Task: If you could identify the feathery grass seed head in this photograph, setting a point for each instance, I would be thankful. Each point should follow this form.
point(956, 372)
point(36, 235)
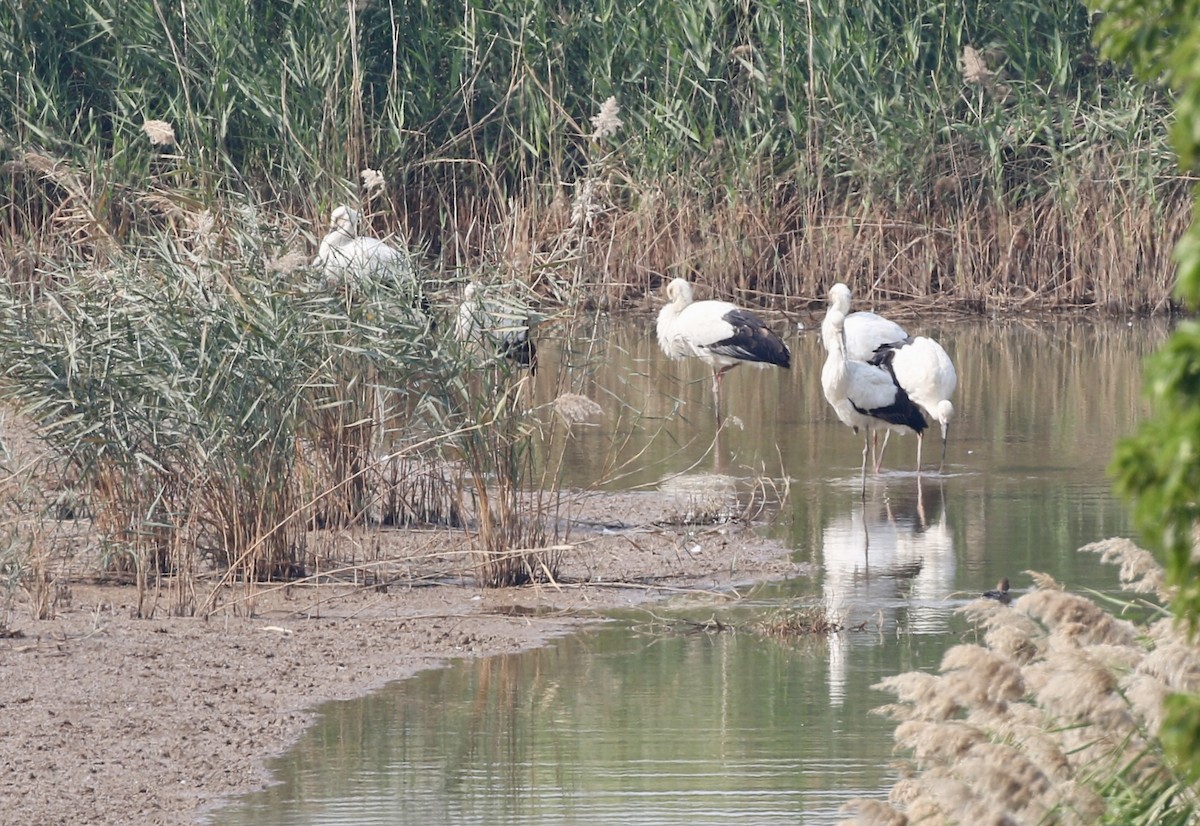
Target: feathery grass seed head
point(996, 679)
point(935, 743)
point(872, 813)
point(576, 408)
point(606, 122)
point(974, 69)
point(159, 132)
point(926, 695)
point(1140, 571)
point(373, 182)
point(1076, 618)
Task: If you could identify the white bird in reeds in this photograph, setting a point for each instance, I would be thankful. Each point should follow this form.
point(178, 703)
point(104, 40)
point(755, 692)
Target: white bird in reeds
point(865, 333)
point(496, 328)
point(348, 256)
point(864, 396)
point(923, 368)
point(718, 333)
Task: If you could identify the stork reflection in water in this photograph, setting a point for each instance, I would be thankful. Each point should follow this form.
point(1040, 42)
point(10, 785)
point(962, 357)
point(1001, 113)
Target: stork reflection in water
point(888, 563)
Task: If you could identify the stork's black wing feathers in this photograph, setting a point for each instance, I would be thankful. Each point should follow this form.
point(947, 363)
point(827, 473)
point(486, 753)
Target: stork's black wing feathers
point(885, 354)
point(752, 340)
point(520, 347)
point(901, 411)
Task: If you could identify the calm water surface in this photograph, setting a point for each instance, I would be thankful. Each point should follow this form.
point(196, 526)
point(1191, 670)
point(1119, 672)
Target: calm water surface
point(626, 724)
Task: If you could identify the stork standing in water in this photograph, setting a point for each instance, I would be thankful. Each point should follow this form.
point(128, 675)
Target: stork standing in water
point(865, 396)
point(718, 333)
point(923, 368)
point(865, 333)
point(495, 328)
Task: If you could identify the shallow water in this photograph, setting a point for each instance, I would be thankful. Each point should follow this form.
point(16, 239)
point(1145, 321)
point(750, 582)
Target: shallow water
point(628, 723)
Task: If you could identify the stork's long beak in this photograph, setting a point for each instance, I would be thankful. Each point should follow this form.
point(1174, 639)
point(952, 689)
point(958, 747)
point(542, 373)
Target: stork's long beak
point(945, 430)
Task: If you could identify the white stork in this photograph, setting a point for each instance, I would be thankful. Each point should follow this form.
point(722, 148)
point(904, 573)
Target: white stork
point(487, 325)
point(865, 333)
point(864, 396)
point(721, 334)
point(346, 254)
point(347, 258)
point(923, 368)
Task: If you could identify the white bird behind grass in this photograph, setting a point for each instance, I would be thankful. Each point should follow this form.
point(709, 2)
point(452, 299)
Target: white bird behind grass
point(348, 259)
point(490, 326)
point(346, 256)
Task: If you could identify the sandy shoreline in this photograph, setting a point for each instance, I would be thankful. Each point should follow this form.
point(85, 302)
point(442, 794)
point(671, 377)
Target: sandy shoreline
point(109, 719)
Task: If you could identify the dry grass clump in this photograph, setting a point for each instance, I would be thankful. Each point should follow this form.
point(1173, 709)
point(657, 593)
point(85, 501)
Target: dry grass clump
point(1053, 719)
point(797, 621)
point(787, 623)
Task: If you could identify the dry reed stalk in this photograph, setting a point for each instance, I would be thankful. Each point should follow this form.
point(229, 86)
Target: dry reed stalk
point(1099, 247)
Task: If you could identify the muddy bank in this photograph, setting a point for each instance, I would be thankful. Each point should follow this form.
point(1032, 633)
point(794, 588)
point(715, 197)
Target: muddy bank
point(110, 719)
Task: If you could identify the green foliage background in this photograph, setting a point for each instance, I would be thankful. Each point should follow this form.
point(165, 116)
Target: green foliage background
point(448, 99)
point(1158, 469)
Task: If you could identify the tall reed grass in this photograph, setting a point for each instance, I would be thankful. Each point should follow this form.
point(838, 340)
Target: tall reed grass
point(1052, 714)
point(981, 153)
point(216, 400)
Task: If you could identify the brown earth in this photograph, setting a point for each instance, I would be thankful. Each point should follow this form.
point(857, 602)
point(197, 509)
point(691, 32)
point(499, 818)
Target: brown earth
point(105, 718)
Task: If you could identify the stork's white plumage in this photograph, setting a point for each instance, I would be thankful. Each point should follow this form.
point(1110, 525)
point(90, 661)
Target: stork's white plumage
point(721, 334)
point(923, 368)
point(865, 332)
point(347, 257)
point(495, 328)
point(864, 396)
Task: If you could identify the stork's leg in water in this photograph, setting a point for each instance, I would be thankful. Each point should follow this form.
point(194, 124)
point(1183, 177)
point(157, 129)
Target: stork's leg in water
point(718, 374)
point(717, 394)
point(866, 447)
point(887, 432)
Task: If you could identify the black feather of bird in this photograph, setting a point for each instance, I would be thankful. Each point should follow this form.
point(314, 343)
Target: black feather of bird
point(519, 347)
point(902, 411)
point(752, 340)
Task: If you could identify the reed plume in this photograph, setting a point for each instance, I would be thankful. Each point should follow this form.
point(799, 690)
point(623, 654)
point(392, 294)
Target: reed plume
point(1054, 718)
